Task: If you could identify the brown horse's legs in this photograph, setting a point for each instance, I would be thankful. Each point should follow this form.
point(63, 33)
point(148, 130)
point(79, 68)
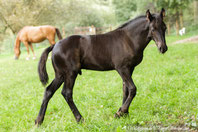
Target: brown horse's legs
point(30, 44)
point(67, 93)
point(52, 40)
point(50, 90)
point(27, 47)
point(126, 76)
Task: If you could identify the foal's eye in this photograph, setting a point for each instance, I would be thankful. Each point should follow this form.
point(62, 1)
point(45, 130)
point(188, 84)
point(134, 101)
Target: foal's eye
point(152, 30)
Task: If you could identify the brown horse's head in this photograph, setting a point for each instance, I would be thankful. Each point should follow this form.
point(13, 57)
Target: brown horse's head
point(17, 51)
point(157, 29)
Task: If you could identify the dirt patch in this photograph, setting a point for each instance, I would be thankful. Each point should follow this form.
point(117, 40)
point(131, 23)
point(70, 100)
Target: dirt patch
point(191, 39)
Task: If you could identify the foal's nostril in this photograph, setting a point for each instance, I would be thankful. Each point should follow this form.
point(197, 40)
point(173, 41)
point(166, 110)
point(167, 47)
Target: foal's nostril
point(160, 49)
point(166, 48)
point(163, 49)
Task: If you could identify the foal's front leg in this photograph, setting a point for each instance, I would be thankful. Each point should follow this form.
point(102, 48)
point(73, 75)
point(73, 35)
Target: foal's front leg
point(129, 91)
point(125, 92)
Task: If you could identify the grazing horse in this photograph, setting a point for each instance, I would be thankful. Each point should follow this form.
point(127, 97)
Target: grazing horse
point(30, 34)
point(120, 50)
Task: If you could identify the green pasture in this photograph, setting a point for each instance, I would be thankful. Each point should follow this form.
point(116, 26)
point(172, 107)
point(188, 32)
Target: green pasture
point(167, 94)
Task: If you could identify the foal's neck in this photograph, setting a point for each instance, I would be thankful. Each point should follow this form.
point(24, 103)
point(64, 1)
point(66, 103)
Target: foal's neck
point(138, 33)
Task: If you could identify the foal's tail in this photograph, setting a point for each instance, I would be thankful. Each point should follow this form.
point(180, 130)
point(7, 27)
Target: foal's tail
point(58, 34)
point(42, 65)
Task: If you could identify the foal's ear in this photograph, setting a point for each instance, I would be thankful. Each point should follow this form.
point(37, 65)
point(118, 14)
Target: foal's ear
point(149, 16)
point(162, 14)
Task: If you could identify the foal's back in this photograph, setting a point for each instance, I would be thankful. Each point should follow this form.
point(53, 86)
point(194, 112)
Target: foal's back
point(96, 52)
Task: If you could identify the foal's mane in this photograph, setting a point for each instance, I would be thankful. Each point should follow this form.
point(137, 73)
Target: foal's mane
point(130, 21)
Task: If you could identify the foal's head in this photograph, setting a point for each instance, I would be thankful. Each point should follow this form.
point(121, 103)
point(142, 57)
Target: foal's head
point(157, 29)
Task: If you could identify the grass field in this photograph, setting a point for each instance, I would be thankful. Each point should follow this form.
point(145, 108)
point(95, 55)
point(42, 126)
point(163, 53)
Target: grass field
point(167, 95)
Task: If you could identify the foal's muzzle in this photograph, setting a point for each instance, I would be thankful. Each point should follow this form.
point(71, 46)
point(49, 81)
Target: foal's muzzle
point(162, 48)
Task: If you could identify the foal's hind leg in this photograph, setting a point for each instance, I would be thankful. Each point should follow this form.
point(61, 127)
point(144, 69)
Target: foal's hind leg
point(126, 77)
point(50, 90)
point(67, 93)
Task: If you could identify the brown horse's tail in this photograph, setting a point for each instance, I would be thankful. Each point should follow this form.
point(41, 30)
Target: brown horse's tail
point(42, 65)
point(58, 34)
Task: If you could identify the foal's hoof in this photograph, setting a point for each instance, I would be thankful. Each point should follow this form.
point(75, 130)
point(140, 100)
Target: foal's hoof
point(121, 114)
point(80, 119)
point(38, 122)
point(33, 58)
point(117, 115)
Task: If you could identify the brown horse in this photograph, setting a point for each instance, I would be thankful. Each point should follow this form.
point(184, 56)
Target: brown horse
point(30, 34)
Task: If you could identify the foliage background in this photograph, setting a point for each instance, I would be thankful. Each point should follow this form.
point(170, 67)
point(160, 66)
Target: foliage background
point(68, 14)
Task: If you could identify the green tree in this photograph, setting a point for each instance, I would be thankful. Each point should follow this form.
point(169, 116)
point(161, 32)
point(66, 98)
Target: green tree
point(175, 10)
point(195, 12)
point(123, 9)
point(16, 14)
point(87, 13)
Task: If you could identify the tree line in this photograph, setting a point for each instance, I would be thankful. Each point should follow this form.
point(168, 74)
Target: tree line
point(15, 14)
point(179, 13)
